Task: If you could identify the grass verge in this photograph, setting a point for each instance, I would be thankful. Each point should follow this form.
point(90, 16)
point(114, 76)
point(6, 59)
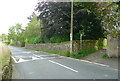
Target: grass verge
point(105, 56)
point(82, 53)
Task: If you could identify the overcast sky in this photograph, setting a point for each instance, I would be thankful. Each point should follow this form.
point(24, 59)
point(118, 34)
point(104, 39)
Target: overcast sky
point(15, 11)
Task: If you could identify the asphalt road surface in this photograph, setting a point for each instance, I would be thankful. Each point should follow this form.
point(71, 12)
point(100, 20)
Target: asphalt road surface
point(31, 64)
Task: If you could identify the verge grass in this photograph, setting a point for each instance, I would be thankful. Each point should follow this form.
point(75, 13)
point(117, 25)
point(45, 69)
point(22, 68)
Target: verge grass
point(82, 53)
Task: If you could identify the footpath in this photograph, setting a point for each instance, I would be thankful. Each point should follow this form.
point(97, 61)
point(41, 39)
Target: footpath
point(97, 58)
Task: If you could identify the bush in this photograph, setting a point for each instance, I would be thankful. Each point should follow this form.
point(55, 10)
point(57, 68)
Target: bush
point(59, 39)
point(115, 32)
point(105, 56)
point(34, 40)
point(6, 42)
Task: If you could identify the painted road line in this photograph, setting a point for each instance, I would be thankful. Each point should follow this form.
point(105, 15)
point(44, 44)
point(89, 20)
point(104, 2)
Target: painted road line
point(14, 59)
point(35, 58)
point(100, 64)
point(87, 61)
point(39, 56)
point(63, 66)
point(22, 60)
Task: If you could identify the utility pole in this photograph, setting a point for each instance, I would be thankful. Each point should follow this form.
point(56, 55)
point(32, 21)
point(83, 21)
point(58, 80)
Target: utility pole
point(71, 29)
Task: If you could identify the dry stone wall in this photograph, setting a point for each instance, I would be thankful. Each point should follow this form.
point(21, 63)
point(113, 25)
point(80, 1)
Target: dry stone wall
point(65, 46)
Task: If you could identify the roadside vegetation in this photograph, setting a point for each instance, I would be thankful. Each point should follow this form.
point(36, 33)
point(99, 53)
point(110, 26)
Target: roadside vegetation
point(50, 23)
point(6, 62)
point(4, 54)
point(81, 54)
point(94, 19)
point(105, 56)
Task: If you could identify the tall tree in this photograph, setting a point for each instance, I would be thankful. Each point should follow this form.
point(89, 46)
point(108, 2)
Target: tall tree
point(56, 18)
point(32, 32)
point(16, 33)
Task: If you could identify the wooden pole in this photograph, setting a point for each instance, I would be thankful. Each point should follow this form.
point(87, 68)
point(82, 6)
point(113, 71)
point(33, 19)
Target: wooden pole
point(71, 29)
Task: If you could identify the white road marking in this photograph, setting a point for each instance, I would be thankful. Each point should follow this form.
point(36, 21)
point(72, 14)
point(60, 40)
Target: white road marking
point(14, 59)
point(88, 61)
point(27, 52)
point(101, 64)
point(39, 56)
point(34, 58)
point(22, 60)
point(63, 66)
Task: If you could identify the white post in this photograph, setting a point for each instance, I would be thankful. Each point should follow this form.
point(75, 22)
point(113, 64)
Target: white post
point(80, 41)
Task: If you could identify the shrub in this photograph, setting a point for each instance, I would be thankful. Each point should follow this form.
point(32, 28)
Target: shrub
point(6, 42)
point(34, 40)
point(115, 32)
point(105, 56)
point(59, 39)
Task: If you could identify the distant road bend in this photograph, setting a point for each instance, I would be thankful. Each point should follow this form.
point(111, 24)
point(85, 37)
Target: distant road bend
point(31, 64)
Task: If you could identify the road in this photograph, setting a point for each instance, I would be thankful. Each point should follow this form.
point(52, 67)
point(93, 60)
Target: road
point(31, 64)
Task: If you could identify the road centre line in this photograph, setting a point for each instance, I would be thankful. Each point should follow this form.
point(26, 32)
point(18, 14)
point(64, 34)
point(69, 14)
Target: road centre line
point(63, 66)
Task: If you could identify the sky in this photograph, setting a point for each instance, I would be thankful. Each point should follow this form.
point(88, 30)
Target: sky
point(15, 11)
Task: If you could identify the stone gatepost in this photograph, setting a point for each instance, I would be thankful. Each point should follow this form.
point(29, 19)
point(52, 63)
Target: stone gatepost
point(113, 45)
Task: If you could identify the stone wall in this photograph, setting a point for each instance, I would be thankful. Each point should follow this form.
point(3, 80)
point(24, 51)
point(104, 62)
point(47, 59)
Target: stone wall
point(113, 45)
point(65, 46)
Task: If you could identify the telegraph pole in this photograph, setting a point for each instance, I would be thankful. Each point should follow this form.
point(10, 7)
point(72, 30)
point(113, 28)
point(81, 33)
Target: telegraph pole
point(71, 29)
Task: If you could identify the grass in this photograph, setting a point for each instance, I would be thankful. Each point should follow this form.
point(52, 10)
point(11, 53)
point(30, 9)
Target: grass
point(67, 54)
point(82, 53)
point(105, 56)
point(5, 60)
point(4, 54)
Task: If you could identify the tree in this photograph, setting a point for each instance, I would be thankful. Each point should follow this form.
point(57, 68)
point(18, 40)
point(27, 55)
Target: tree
point(16, 33)
point(32, 32)
point(107, 12)
point(56, 19)
point(4, 37)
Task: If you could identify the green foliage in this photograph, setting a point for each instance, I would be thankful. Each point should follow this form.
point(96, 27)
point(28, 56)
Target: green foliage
point(4, 37)
point(16, 33)
point(83, 53)
point(52, 25)
point(34, 40)
point(6, 42)
point(67, 54)
point(32, 32)
point(115, 32)
point(58, 39)
point(26, 40)
point(84, 19)
point(105, 56)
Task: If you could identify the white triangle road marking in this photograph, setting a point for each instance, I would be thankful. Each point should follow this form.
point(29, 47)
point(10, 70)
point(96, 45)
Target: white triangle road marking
point(22, 60)
point(34, 58)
